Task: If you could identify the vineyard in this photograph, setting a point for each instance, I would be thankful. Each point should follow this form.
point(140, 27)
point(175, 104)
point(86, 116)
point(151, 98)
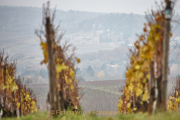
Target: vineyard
point(146, 93)
point(16, 98)
point(97, 94)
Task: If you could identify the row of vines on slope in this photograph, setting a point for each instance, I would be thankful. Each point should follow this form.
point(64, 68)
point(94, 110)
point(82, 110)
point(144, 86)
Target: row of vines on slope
point(64, 90)
point(174, 96)
point(14, 96)
point(144, 74)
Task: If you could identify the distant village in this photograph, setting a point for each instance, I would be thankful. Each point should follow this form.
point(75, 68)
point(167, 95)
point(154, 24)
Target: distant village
point(100, 35)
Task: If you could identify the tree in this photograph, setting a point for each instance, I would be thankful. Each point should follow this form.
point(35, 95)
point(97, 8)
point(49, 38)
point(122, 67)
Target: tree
point(101, 74)
point(90, 70)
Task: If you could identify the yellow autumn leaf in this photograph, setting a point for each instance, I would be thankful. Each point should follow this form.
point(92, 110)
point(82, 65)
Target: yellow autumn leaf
point(138, 92)
point(157, 37)
point(14, 87)
point(130, 87)
point(4, 87)
point(72, 87)
point(72, 74)
point(18, 105)
point(144, 48)
point(27, 97)
point(33, 103)
point(60, 67)
point(170, 34)
point(148, 55)
point(7, 71)
point(58, 60)
point(65, 77)
point(140, 38)
point(58, 86)
point(78, 60)
point(144, 81)
point(129, 110)
point(36, 110)
point(148, 76)
point(145, 96)
point(43, 45)
point(140, 75)
point(120, 102)
point(137, 67)
point(171, 97)
point(176, 93)
point(128, 105)
point(32, 107)
point(57, 75)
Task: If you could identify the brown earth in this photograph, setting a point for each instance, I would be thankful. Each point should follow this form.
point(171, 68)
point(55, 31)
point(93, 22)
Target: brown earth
point(98, 95)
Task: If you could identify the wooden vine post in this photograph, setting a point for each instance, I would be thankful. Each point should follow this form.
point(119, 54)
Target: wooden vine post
point(50, 63)
point(20, 98)
point(4, 99)
point(151, 89)
point(63, 86)
point(168, 13)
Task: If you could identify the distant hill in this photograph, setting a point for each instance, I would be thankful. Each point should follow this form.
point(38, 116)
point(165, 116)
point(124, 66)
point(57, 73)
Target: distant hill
point(25, 20)
point(17, 26)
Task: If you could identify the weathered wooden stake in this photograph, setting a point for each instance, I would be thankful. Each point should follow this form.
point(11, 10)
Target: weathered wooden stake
point(151, 89)
point(50, 63)
point(4, 99)
point(166, 55)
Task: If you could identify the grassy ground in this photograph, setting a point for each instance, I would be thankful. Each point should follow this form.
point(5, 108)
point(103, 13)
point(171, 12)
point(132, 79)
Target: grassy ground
point(138, 116)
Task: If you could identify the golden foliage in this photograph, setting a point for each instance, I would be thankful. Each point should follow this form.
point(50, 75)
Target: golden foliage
point(63, 65)
point(138, 74)
point(174, 97)
point(10, 88)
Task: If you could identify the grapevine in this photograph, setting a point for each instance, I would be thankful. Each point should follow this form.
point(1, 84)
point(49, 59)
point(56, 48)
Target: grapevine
point(147, 52)
point(62, 65)
point(12, 91)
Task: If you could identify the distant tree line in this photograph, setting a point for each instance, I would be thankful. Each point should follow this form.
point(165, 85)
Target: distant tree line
point(42, 72)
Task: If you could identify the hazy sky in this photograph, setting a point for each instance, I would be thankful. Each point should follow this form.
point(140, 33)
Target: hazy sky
point(121, 6)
